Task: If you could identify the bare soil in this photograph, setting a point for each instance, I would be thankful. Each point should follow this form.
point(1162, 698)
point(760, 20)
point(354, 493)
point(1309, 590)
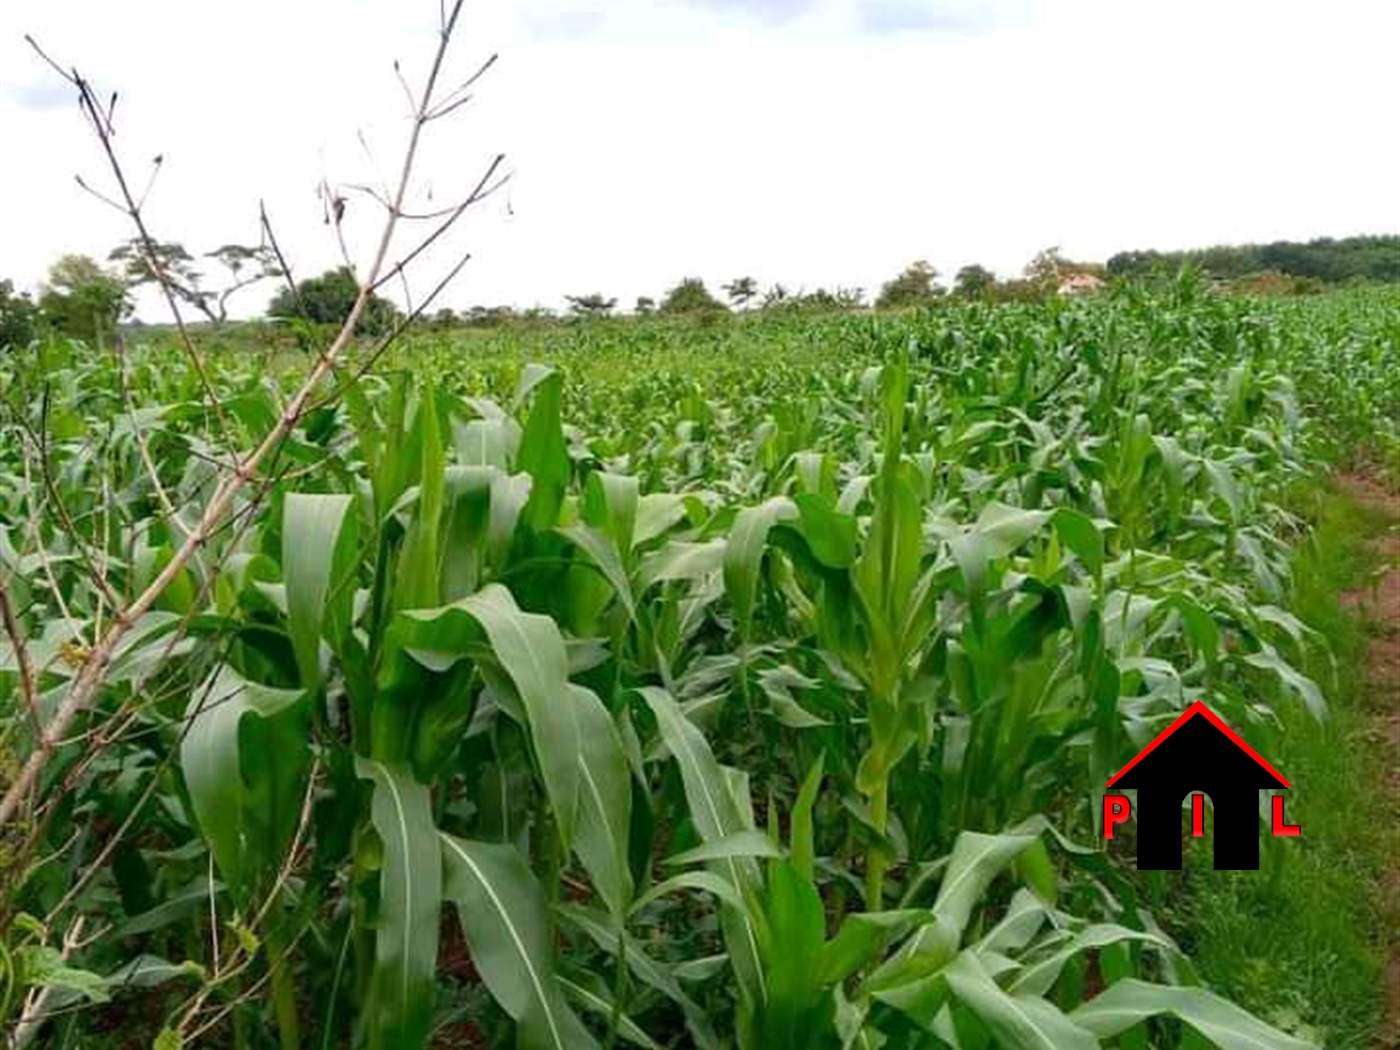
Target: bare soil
point(1379, 607)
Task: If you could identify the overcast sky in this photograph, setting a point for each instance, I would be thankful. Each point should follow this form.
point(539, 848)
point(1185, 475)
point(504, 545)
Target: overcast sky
point(813, 142)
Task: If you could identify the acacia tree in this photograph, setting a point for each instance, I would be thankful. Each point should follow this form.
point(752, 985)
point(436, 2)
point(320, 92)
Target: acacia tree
point(594, 304)
point(740, 291)
point(143, 263)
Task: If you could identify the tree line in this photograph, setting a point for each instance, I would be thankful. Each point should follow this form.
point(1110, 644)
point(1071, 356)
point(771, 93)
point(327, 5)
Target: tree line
point(85, 299)
point(1326, 260)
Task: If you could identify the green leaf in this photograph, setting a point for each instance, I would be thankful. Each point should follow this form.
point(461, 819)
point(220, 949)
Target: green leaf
point(600, 548)
point(211, 759)
point(543, 454)
point(976, 860)
point(716, 816)
point(530, 650)
point(1303, 687)
point(410, 899)
point(598, 1001)
point(680, 561)
point(605, 802)
point(740, 844)
point(1228, 1027)
point(1039, 977)
point(861, 935)
point(801, 836)
point(318, 541)
point(504, 919)
point(1078, 532)
point(418, 581)
point(743, 555)
point(1017, 1022)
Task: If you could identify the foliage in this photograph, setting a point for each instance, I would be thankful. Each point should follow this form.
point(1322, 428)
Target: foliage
point(176, 269)
point(592, 305)
point(328, 300)
point(82, 300)
point(741, 291)
point(690, 296)
point(974, 282)
point(19, 317)
point(916, 285)
point(1329, 260)
point(725, 685)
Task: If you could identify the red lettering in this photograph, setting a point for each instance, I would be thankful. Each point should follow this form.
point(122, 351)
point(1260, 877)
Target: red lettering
point(1280, 828)
point(1116, 809)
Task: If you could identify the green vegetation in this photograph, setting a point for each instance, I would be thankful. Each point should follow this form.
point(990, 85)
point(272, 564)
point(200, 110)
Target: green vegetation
point(690, 296)
point(745, 683)
point(326, 300)
point(1327, 260)
point(1302, 941)
point(916, 285)
point(83, 300)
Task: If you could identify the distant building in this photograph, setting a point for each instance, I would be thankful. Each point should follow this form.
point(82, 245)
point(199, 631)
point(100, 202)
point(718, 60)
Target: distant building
point(1079, 284)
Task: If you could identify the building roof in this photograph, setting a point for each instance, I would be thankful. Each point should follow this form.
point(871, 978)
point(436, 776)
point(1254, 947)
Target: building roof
point(1209, 716)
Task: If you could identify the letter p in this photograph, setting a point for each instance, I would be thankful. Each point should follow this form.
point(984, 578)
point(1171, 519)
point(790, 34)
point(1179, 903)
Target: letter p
point(1116, 809)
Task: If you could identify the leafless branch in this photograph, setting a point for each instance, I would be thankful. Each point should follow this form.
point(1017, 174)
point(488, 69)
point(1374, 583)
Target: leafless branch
point(19, 643)
point(92, 674)
point(101, 121)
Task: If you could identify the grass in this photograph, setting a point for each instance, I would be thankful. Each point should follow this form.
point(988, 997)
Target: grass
point(1306, 939)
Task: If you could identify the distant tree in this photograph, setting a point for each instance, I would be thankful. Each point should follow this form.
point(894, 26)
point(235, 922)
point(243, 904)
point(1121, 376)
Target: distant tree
point(19, 317)
point(489, 316)
point(444, 318)
point(915, 286)
point(1046, 265)
point(645, 307)
point(82, 300)
point(1049, 267)
point(741, 291)
point(974, 282)
point(1326, 259)
point(244, 266)
point(775, 296)
point(592, 305)
point(329, 298)
point(824, 301)
point(690, 297)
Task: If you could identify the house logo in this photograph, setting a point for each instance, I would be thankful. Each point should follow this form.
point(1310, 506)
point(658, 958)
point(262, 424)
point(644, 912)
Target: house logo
point(1198, 754)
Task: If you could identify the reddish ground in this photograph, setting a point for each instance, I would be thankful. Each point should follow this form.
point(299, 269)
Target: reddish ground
point(1379, 605)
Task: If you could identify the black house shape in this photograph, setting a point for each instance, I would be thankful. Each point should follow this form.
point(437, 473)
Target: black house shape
point(1198, 752)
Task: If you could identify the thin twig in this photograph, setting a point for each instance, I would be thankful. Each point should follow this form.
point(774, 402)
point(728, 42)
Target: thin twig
point(92, 675)
point(20, 645)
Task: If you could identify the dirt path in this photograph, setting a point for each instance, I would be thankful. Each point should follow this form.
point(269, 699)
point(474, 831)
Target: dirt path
point(1379, 607)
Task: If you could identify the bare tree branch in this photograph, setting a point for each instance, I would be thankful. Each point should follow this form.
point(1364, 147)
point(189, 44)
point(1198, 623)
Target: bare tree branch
point(92, 674)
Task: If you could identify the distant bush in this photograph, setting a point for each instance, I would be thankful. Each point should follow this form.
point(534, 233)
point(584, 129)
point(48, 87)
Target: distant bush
point(83, 300)
point(691, 297)
point(19, 317)
point(916, 285)
point(329, 298)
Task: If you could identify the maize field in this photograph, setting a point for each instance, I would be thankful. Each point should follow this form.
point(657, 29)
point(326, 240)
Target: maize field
point(749, 684)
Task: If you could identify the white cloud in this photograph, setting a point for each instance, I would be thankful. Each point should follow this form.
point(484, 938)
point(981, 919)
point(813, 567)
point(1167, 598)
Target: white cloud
point(807, 141)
